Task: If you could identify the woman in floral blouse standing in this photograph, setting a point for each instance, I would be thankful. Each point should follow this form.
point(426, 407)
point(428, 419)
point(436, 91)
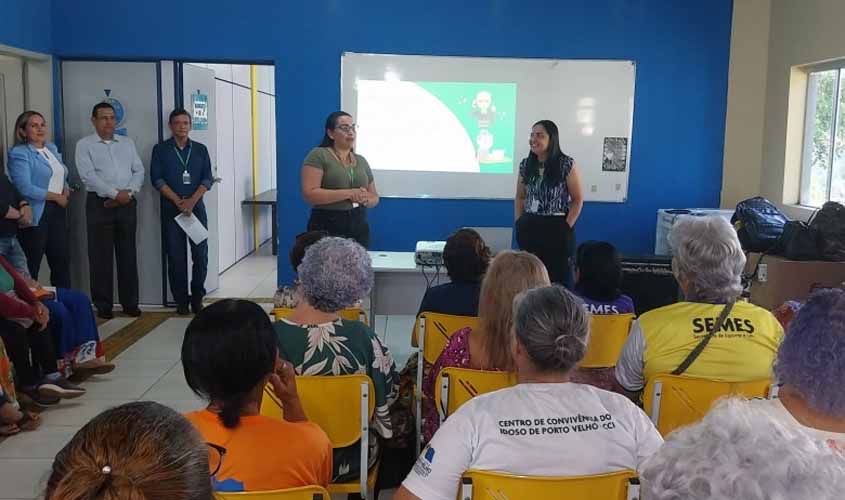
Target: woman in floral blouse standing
point(335, 274)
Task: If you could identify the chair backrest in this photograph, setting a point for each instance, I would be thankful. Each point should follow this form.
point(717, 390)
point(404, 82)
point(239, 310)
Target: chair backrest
point(673, 401)
point(350, 313)
point(437, 329)
point(332, 402)
point(484, 485)
point(303, 493)
point(456, 386)
point(608, 333)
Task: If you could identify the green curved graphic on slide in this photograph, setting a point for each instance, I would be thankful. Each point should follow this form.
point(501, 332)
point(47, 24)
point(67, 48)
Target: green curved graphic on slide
point(487, 112)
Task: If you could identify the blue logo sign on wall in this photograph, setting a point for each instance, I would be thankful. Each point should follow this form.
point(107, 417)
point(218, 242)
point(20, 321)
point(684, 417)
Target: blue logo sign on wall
point(199, 117)
point(119, 112)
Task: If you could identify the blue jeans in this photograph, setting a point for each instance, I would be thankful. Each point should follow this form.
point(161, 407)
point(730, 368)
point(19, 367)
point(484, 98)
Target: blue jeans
point(12, 251)
point(73, 325)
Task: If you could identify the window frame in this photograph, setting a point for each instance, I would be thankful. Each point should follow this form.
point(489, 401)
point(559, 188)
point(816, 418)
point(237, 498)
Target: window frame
point(809, 123)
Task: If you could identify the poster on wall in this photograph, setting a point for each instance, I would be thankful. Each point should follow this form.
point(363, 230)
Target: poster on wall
point(119, 112)
point(615, 155)
point(200, 111)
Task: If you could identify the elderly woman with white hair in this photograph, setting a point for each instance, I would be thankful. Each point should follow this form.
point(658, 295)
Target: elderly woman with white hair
point(545, 425)
point(335, 274)
point(738, 451)
point(742, 338)
point(810, 366)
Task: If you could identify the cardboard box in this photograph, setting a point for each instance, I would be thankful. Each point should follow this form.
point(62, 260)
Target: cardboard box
point(779, 279)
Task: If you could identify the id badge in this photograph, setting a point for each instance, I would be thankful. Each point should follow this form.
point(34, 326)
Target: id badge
point(535, 206)
point(186, 177)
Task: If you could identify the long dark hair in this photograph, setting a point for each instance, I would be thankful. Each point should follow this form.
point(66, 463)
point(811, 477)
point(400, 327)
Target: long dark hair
point(229, 348)
point(331, 124)
point(553, 166)
point(599, 271)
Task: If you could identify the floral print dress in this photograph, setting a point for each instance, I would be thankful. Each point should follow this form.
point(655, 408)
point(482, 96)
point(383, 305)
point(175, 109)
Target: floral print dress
point(344, 347)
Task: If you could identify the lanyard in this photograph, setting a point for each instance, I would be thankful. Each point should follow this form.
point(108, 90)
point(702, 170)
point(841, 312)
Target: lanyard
point(350, 171)
point(187, 160)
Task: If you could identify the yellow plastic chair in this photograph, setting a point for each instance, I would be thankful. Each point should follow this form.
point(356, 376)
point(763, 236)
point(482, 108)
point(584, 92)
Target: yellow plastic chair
point(350, 313)
point(608, 333)
point(484, 485)
point(342, 406)
point(456, 386)
point(673, 401)
point(432, 332)
point(304, 493)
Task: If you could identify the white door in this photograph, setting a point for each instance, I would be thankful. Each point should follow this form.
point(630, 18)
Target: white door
point(11, 100)
point(199, 94)
point(132, 88)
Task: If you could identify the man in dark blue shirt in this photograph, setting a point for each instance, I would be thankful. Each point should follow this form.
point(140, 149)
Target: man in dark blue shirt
point(181, 171)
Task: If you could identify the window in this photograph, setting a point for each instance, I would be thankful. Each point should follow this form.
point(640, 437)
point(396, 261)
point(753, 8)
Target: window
point(823, 162)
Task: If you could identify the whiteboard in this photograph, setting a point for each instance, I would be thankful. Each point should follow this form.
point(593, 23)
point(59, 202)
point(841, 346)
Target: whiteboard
point(591, 101)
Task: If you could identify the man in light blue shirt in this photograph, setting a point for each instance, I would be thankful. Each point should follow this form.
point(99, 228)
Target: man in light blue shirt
point(112, 172)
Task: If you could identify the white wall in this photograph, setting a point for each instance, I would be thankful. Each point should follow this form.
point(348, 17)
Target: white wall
point(743, 158)
point(234, 150)
point(800, 33)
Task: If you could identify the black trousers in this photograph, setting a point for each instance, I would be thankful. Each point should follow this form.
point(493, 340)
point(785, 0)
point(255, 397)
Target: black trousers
point(19, 342)
point(50, 237)
point(551, 239)
point(343, 223)
point(111, 232)
point(175, 241)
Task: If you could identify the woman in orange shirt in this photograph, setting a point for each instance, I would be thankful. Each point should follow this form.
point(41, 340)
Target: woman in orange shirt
point(229, 354)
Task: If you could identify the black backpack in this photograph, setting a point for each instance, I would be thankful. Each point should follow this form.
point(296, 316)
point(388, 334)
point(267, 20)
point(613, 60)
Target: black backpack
point(759, 224)
point(829, 225)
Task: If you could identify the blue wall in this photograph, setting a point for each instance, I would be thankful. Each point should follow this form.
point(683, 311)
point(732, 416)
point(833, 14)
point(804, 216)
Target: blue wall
point(26, 24)
point(681, 49)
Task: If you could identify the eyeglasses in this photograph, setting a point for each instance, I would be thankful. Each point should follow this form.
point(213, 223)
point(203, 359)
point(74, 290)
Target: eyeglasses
point(215, 458)
point(347, 128)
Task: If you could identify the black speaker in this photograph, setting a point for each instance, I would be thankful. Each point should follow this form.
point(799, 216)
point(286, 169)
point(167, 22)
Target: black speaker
point(649, 281)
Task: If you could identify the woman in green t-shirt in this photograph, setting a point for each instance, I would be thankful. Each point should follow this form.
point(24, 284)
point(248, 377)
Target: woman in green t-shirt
point(338, 183)
point(335, 274)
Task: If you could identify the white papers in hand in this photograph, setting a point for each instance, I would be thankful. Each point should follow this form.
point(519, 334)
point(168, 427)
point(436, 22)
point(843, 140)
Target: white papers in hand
point(192, 227)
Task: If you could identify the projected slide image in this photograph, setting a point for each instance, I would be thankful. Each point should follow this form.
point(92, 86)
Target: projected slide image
point(437, 126)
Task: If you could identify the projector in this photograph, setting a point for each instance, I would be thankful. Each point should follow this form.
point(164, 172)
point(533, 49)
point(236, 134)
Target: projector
point(429, 253)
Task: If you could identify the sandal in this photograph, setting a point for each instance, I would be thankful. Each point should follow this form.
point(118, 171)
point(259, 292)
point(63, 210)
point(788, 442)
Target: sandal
point(29, 421)
point(7, 430)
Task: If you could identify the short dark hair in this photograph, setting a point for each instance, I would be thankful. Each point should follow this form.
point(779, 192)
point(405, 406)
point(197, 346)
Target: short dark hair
point(99, 106)
point(466, 256)
point(599, 271)
point(301, 244)
point(178, 112)
point(229, 348)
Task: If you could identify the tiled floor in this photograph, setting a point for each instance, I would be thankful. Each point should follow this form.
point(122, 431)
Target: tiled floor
point(148, 370)
point(252, 277)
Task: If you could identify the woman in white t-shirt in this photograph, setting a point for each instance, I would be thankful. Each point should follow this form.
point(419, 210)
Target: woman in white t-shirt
point(545, 425)
point(37, 171)
point(810, 365)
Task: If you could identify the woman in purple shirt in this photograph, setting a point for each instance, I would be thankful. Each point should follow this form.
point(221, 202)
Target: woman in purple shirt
point(598, 275)
point(599, 279)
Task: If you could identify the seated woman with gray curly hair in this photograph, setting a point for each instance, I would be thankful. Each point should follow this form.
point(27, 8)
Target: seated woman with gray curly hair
point(738, 451)
point(708, 263)
point(335, 274)
point(811, 368)
point(545, 425)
